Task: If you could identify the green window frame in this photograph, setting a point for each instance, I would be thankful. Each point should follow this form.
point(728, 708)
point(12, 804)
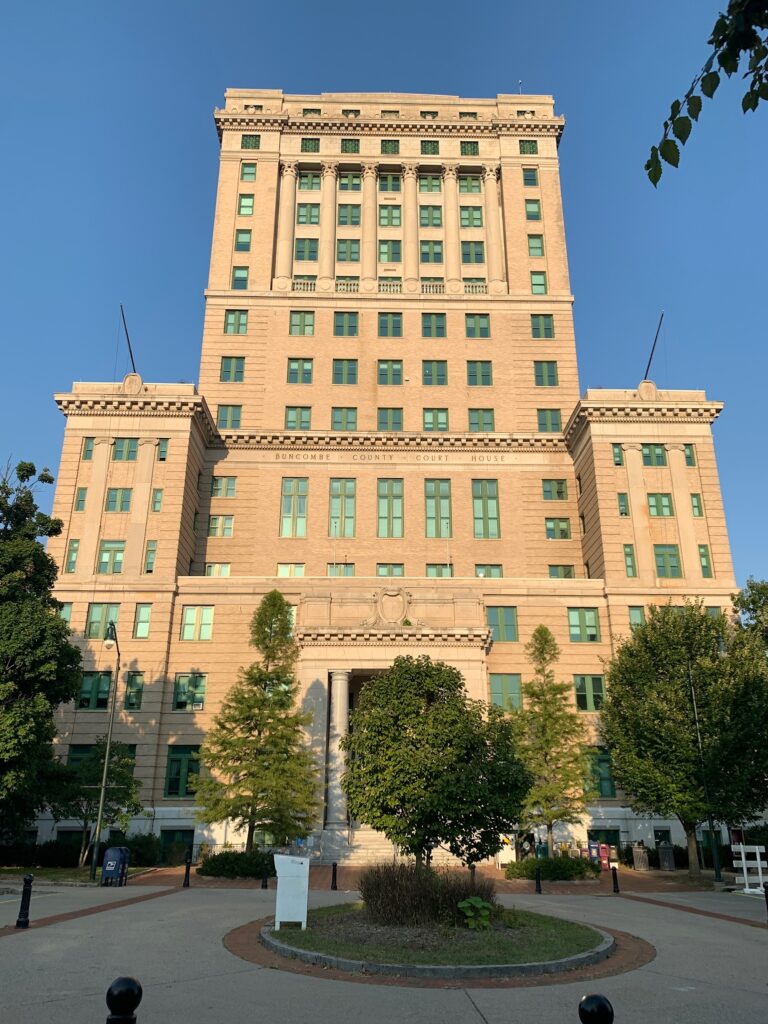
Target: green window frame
point(309, 181)
point(489, 570)
point(471, 216)
point(434, 372)
point(630, 564)
point(530, 177)
point(506, 690)
point(689, 451)
point(435, 420)
point(623, 502)
point(533, 209)
point(348, 182)
point(390, 250)
point(584, 625)
point(479, 373)
point(308, 213)
point(65, 611)
point(305, 250)
point(250, 142)
point(348, 215)
point(529, 147)
point(345, 325)
point(247, 172)
point(469, 184)
point(433, 325)
point(502, 620)
point(545, 373)
point(617, 451)
point(548, 421)
point(189, 691)
point(705, 561)
point(98, 617)
point(430, 252)
point(557, 529)
point(561, 572)
point(110, 557)
point(389, 183)
point(285, 569)
point(134, 691)
point(480, 420)
point(390, 569)
point(118, 499)
point(430, 216)
point(477, 325)
point(390, 507)
point(430, 183)
point(340, 569)
point(538, 282)
point(310, 145)
point(554, 490)
point(243, 240)
point(344, 371)
point(390, 216)
point(589, 692)
point(125, 449)
point(654, 455)
point(348, 250)
point(438, 570)
point(298, 417)
point(390, 325)
point(390, 419)
point(542, 325)
point(636, 616)
point(228, 417)
point(430, 147)
point(343, 418)
point(220, 526)
point(245, 204)
point(437, 509)
point(602, 774)
point(301, 322)
point(473, 252)
point(239, 278)
point(235, 321)
point(350, 145)
point(142, 617)
point(697, 508)
point(87, 451)
point(300, 370)
point(390, 372)
point(390, 147)
point(485, 509)
point(181, 767)
point(667, 559)
point(294, 498)
point(223, 486)
point(95, 688)
point(660, 505)
point(535, 245)
point(196, 622)
point(232, 369)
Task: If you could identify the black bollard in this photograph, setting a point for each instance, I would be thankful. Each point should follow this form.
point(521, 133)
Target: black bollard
point(187, 867)
point(595, 1010)
point(765, 890)
point(537, 876)
point(22, 921)
point(265, 881)
point(472, 877)
point(123, 996)
point(334, 866)
point(615, 875)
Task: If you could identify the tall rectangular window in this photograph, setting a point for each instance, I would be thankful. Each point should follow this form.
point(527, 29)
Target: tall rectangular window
point(548, 420)
point(629, 560)
point(530, 177)
point(87, 450)
point(667, 558)
point(239, 278)
point(182, 767)
point(196, 622)
point(293, 507)
point(389, 419)
point(98, 618)
point(345, 325)
point(298, 417)
point(228, 417)
point(705, 561)
point(660, 505)
point(533, 209)
point(434, 372)
point(390, 508)
point(697, 508)
point(480, 420)
point(503, 622)
point(247, 172)
point(431, 252)
point(602, 774)
point(343, 418)
point(390, 216)
point(538, 282)
point(245, 204)
point(344, 371)
point(623, 502)
point(389, 251)
point(618, 454)
point(506, 690)
point(437, 508)
point(636, 616)
point(390, 325)
point(690, 454)
point(390, 371)
point(94, 691)
point(302, 323)
point(433, 325)
point(654, 455)
point(134, 690)
point(542, 325)
point(485, 509)
point(308, 213)
point(110, 559)
point(557, 529)
point(479, 373)
point(189, 691)
point(118, 499)
point(545, 373)
point(300, 371)
point(473, 252)
point(471, 216)
point(554, 490)
point(150, 554)
point(435, 419)
point(430, 216)
point(235, 321)
point(141, 620)
point(232, 369)
point(349, 215)
point(243, 240)
point(535, 245)
point(125, 449)
point(348, 250)
point(477, 325)
point(589, 692)
point(584, 625)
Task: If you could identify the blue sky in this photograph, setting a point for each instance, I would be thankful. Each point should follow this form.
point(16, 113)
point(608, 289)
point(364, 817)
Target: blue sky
point(107, 186)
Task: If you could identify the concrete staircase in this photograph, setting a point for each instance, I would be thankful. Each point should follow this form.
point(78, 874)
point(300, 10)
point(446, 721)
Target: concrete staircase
point(367, 846)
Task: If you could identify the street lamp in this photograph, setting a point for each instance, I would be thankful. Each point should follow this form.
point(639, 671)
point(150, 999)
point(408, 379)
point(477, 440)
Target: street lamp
point(710, 820)
point(110, 642)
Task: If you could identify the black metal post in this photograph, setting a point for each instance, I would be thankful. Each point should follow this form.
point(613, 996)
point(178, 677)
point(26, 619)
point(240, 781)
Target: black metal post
point(334, 866)
point(765, 890)
point(595, 1009)
point(537, 876)
point(472, 877)
point(265, 881)
point(123, 996)
point(22, 921)
point(187, 867)
point(615, 876)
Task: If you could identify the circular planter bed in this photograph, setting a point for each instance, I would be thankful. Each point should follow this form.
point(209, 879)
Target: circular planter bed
point(519, 944)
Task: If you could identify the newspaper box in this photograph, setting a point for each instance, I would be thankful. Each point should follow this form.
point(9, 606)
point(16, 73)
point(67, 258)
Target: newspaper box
point(292, 889)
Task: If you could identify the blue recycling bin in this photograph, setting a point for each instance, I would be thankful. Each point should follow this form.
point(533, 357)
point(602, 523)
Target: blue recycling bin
point(114, 867)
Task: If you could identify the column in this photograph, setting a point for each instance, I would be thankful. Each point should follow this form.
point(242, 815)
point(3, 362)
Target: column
point(451, 214)
point(326, 270)
point(410, 230)
point(336, 815)
point(285, 220)
point(494, 257)
point(369, 234)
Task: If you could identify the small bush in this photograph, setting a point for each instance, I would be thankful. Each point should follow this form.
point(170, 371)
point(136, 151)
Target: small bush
point(233, 864)
point(17, 855)
point(553, 869)
point(405, 895)
point(145, 849)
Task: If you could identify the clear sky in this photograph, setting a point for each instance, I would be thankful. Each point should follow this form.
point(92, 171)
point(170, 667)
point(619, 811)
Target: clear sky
point(109, 161)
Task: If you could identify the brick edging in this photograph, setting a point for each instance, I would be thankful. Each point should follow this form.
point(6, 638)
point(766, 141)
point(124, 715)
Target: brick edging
point(72, 915)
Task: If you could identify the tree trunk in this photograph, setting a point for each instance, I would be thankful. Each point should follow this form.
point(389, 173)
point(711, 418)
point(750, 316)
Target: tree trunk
point(249, 837)
point(550, 839)
point(419, 858)
point(86, 842)
point(694, 869)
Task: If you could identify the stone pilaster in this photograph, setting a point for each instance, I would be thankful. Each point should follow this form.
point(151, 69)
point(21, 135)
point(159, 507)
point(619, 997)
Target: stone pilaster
point(285, 226)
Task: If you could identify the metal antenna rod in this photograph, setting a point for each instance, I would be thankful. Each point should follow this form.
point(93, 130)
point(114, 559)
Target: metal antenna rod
point(653, 349)
point(127, 337)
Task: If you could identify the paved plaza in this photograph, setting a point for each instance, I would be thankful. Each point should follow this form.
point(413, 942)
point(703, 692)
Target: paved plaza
point(708, 968)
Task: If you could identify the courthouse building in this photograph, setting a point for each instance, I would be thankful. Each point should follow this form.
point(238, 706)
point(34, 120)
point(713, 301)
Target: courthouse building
point(387, 428)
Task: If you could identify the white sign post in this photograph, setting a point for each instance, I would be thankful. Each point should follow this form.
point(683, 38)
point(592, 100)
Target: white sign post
point(749, 861)
point(292, 889)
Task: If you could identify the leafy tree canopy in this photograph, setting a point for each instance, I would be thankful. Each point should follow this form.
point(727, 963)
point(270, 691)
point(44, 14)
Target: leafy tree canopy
point(751, 604)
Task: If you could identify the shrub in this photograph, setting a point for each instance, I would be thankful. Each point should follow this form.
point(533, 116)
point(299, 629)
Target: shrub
point(57, 854)
point(233, 864)
point(406, 895)
point(145, 849)
point(17, 855)
point(554, 869)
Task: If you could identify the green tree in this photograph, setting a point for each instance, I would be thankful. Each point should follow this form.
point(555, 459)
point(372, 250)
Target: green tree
point(552, 742)
point(739, 35)
point(649, 724)
point(751, 605)
point(39, 668)
point(429, 767)
point(263, 773)
point(80, 788)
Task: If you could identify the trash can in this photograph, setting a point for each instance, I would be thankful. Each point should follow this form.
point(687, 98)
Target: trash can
point(666, 856)
point(639, 857)
point(114, 868)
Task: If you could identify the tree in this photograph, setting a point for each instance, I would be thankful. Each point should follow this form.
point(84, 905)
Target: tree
point(751, 605)
point(80, 788)
point(741, 34)
point(264, 775)
point(39, 668)
point(428, 767)
point(552, 743)
point(649, 722)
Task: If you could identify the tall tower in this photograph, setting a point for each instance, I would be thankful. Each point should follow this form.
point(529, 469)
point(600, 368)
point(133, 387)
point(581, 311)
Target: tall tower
point(388, 429)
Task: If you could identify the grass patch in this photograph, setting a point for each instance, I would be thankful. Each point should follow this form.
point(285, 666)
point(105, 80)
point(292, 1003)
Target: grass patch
point(516, 937)
point(59, 874)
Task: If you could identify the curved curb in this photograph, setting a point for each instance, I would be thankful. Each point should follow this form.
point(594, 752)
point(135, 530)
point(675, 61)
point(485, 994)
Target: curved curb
point(468, 971)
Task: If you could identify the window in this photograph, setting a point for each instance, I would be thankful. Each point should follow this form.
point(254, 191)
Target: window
point(98, 618)
point(654, 455)
point(589, 692)
point(340, 569)
point(302, 323)
point(293, 507)
point(390, 147)
point(220, 526)
point(437, 498)
point(629, 560)
point(141, 619)
point(533, 209)
point(125, 449)
point(228, 417)
point(529, 147)
point(471, 216)
point(479, 373)
point(431, 252)
point(561, 572)
point(300, 371)
point(469, 148)
point(223, 486)
point(558, 529)
point(618, 454)
point(506, 690)
point(389, 508)
point(390, 325)
point(350, 145)
point(623, 500)
point(94, 691)
point(469, 184)
point(636, 616)
point(554, 490)
point(545, 374)
point(434, 372)
point(389, 251)
point(696, 506)
point(472, 252)
point(435, 419)
point(309, 181)
point(389, 419)
point(189, 692)
point(245, 205)
point(110, 560)
point(438, 570)
point(390, 569)
point(430, 183)
point(343, 418)
point(348, 250)
point(290, 568)
point(306, 249)
point(345, 325)
point(150, 553)
point(239, 278)
point(236, 321)
point(350, 113)
point(250, 141)
point(704, 560)
point(196, 622)
point(468, 115)
point(243, 240)
point(134, 690)
point(118, 499)
point(344, 371)
point(349, 214)
point(389, 183)
point(247, 172)
point(311, 112)
point(485, 509)
point(477, 325)
point(87, 450)
point(503, 622)
point(548, 420)
point(217, 568)
point(430, 147)
point(535, 245)
point(310, 145)
point(232, 369)
point(660, 505)
point(480, 420)
point(602, 774)
point(489, 571)
point(428, 115)
point(390, 371)
point(298, 417)
point(348, 183)
point(530, 177)
point(390, 216)
point(65, 612)
point(308, 213)
point(538, 282)
point(583, 625)
point(182, 766)
point(542, 325)
point(667, 558)
point(433, 325)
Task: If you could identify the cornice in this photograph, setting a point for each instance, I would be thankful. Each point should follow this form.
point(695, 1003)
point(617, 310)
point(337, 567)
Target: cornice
point(193, 407)
point(639, 411)
point(394, 637)
point(353, 441)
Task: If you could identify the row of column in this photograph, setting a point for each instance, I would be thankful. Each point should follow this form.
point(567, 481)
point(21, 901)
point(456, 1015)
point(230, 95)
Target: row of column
point(452, 266)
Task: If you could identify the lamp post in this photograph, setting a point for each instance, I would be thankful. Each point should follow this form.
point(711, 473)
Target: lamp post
point(710, 820)
point(110, 641)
